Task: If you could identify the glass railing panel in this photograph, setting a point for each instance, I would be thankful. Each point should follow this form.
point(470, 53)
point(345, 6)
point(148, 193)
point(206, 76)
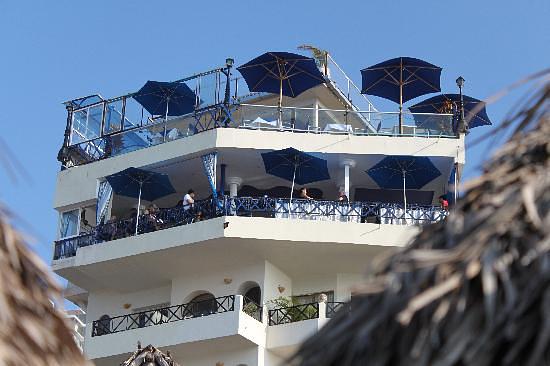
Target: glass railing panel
point(134, 114)
point(113, 116)
point(86, 123)
point(207, 88)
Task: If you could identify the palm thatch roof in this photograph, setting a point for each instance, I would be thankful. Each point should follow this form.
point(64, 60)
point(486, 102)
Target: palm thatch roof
point(32, 331)
point(149, 356)
point(473, 291)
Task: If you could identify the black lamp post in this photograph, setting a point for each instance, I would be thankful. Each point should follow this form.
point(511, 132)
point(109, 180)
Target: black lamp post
point(228, 65)
point(462, 123)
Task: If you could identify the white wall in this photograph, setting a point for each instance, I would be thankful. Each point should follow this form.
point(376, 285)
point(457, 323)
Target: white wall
point(312, 284)
point(247, 356)
point(274, 278)
point(212, 280)
point(345, 282)
point(111, 303)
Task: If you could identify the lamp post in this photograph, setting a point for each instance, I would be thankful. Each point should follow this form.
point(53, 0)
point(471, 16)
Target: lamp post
point(228, 65)
point(462, 123)
point(227, 71)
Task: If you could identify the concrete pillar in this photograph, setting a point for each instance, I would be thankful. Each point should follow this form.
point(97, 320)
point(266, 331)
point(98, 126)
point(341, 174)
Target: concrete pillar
point(322, 310)
point(316, 116)
point(234, 184)
point(239, 302)
point(347, 164)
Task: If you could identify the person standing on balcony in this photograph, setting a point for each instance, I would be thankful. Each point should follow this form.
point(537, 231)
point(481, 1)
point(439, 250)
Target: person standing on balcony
point(303, 194)
point(342, 198)
point(444, 203)
point(189, 200)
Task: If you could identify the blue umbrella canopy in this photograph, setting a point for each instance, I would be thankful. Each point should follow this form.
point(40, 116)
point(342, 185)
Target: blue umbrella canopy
point(166, 98)
point(295, 165)
point(392, 171)
point(140, 184)
point(474, 109)
point(401, 79)
point(129, 182)
point(281, 73)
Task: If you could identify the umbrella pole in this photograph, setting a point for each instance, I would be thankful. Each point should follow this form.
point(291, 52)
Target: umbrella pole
point(401, 97)
point(404, 192)
point(292, 190)
point(456, 183)
point(138, 206)
point(281, 103)
point(165, 120)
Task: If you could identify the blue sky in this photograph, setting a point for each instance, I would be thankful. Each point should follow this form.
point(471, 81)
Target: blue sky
point(57, 50)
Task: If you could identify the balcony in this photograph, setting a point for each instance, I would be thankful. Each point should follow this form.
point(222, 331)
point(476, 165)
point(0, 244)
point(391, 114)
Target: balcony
point(266, 207)
point(160, 316)
point(192, 328)
point(88, 143)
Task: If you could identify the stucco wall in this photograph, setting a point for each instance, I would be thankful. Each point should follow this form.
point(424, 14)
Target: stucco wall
point(212, 280)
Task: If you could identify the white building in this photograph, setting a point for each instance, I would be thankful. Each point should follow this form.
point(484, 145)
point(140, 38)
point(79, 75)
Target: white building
point(189, 284)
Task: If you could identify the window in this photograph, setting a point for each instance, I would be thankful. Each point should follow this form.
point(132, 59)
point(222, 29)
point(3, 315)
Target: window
point(204, 304)
point(69, 223)
point(253, 295)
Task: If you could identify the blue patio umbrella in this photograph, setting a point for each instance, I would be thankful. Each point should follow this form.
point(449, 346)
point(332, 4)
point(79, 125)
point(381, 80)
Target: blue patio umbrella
point(283, 73)
point(296, 166)
point(140, 184)
point(406, 172)
point(474, 109)
point(401, 79)
point(166, 98)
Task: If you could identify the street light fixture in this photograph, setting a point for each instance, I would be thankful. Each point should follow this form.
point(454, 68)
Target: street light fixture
point(228, 65)
point(462, 123)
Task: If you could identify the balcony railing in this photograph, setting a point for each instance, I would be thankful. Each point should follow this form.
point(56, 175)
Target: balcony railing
point(163, 219)
point(372, 212)
point(300, 209)
point(341, 121)
point(296, 313)
point(252, 308)
point(292, 314)
point(333, 307)
point(164, 315)
point(87, 144)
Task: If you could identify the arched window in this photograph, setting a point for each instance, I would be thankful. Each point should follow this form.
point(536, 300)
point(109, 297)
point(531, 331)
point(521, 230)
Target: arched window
point(203, 304)
point(253, 294)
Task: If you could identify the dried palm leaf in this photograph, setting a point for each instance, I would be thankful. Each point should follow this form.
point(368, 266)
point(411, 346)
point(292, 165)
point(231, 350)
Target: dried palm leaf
point(32, 331)
point(472, 291)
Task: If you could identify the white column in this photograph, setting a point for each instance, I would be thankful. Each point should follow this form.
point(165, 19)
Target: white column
point(347, 164)
point(322, 310)
point(234, 184)
point(316, 116)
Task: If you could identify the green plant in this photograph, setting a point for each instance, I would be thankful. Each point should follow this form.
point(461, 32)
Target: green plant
point(295, 311)
point(251, 308)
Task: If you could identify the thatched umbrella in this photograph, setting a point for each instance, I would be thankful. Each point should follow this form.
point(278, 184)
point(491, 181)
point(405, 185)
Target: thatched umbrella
point(149, 356)
point(32, 331)
point(474, 290)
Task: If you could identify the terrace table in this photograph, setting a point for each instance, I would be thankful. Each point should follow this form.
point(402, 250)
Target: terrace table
point(338, 127)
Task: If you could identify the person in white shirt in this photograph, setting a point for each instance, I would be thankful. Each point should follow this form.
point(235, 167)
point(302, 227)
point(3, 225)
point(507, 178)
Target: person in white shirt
point(189, 200)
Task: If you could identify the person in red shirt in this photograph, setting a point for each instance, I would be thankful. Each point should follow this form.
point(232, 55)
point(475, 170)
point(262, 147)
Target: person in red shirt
point(444, 203)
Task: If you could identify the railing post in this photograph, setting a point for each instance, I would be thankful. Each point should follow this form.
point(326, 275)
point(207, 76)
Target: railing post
point(322, 310)
point(238, 304)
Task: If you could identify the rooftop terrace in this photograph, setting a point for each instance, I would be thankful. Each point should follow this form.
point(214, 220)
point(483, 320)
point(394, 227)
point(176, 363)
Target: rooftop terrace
point(99, 128)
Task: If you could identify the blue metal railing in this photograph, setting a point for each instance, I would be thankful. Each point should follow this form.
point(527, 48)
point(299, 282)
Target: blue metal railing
point(321, 210)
